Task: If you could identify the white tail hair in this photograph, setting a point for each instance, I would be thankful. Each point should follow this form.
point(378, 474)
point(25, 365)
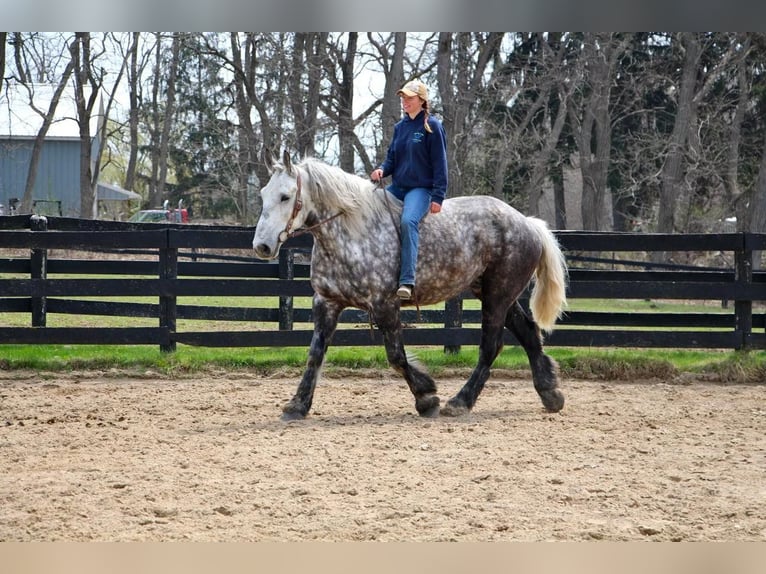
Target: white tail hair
point(548, 298)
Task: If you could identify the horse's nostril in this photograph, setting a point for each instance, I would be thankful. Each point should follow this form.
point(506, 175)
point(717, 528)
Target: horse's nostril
point(263, 250)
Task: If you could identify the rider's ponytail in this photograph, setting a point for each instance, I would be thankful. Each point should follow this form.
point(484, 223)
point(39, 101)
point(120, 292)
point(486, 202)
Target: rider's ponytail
point(425, 120)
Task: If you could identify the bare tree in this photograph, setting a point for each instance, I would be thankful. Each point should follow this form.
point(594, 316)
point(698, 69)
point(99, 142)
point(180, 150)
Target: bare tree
point(135, 70)
point(89, 90)
point(672, 174)
point(592, 121)
point(308, 52)
point(3, 40)
point(389, 53)
point(243, 62)
point(731, 183)
point(258, 64)
point(88, 83)
point(529, 93)
point(155, 124)
point(22, 69)
point(47, 117)
point(342, 112)
point(167, 121)
point(161, 115)
point(695, 84)
point(462, 62)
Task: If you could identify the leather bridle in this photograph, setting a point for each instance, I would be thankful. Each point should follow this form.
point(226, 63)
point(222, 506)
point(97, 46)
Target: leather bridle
point(297, 206)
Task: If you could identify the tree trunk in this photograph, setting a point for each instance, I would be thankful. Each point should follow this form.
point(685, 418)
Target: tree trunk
point(391, 109)
point(308, 51)
point(247, 151)
point(542, 158)
point(671, 176)
point(757, 207)
point(21, 69)
point(167, 121)
point(461, 64)
point(757, 211)
point(37, 148)
point(601, 52)
point(84, 76)
point(3, 40)
point(346, 105)
point(154, 128)
point(133, 84)
point(559, 200)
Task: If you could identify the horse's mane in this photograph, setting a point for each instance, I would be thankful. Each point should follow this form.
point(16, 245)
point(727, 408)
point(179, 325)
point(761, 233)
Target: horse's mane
point(338, 191)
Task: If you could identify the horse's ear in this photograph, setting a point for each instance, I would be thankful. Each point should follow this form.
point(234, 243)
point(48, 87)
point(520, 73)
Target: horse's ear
point(287, 162)
point(268, 159)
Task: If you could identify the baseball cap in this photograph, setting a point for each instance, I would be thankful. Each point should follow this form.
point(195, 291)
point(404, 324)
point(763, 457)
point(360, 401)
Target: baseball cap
point(414, 88)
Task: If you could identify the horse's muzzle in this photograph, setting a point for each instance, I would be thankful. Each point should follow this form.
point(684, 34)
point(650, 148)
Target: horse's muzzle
point(264, 251)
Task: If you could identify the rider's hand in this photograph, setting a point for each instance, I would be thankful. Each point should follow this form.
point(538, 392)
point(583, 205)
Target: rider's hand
point(435, 207)
point(376, 175)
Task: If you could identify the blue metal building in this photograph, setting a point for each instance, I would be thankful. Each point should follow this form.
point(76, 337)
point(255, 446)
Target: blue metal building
point(57, 185)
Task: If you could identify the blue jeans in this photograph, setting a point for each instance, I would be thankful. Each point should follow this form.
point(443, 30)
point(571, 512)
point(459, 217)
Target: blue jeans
point(417, 202)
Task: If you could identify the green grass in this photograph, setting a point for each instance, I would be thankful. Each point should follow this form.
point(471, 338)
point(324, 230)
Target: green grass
point(604, 364)
point(579, 362)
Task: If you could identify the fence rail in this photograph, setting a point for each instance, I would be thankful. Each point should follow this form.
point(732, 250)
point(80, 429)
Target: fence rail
point(172, 265)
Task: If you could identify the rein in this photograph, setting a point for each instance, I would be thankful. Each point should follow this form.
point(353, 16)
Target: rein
point(297, 206)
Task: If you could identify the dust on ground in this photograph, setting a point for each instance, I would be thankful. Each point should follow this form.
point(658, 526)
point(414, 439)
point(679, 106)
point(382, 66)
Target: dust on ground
point(87, 457)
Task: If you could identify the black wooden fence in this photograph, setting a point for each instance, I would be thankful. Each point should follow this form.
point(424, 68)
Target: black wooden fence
point(177, 261)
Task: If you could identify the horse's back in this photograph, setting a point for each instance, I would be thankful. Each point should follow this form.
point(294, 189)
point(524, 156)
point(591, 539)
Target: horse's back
point(471, 235)
point(478, 224)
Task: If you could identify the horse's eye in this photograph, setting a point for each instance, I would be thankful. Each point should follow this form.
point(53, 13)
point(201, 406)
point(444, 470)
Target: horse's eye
point(284, 198)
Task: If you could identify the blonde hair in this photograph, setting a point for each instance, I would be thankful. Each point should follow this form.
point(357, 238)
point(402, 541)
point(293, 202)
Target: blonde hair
point(425, 120)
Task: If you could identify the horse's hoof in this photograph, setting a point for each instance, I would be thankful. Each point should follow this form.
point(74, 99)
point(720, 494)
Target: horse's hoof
point(428, 406)
point(553, 400)
point(292, 411)
point(454, 408)
point(288, 416)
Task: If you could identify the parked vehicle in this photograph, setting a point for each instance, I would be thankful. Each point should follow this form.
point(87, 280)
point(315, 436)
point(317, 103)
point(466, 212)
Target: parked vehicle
point(162, 215)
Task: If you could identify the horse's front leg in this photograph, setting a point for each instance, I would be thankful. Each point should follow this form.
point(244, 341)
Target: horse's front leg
point(420, 383)
point(326, 315)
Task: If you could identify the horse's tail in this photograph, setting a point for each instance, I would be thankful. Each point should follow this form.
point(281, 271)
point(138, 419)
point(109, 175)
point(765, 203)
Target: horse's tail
point(548, 298)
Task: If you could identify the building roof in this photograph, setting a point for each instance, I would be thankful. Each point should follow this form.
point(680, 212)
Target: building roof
point(18, 118)
point(110, 191)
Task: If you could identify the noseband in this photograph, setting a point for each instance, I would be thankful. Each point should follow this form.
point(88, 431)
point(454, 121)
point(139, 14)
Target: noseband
point(297, 206)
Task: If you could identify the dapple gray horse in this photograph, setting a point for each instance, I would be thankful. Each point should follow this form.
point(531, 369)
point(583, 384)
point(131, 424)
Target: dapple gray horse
point(477, 243)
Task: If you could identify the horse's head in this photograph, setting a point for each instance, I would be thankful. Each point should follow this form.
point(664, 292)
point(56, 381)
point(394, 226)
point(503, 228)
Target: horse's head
point(283, 210)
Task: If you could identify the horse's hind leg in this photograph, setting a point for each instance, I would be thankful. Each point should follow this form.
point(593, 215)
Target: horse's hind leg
point(491, 344)
point(420, 383)
point(544, 368)
point(325, 322)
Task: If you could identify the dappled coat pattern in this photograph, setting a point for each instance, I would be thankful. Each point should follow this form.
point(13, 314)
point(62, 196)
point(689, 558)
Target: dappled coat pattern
point(477, 243)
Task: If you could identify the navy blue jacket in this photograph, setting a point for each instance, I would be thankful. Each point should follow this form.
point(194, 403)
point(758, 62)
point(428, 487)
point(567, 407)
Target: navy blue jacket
point(417, 158)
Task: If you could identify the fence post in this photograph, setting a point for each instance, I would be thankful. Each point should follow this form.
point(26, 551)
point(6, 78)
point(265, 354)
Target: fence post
point(168, 312)
point(286, 271)
point(453, 317)
point(743, 310)
point(39, 270)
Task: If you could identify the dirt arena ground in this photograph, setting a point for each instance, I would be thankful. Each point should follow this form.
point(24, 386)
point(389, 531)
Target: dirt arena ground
point(104, 457)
